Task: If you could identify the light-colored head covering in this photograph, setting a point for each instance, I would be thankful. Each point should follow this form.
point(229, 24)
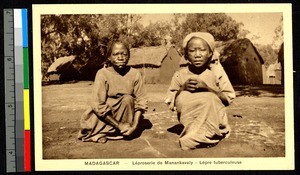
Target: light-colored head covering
point(203, 35)
point(206, 37)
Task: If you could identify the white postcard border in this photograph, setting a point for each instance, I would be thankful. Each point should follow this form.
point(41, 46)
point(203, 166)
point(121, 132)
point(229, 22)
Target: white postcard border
point(280, 163)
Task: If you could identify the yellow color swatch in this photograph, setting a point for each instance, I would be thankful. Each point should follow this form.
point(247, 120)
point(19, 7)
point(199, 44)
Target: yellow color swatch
point(26, 110)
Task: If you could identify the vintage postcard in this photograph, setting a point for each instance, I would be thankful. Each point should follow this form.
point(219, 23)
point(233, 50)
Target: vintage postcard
point(99, 67)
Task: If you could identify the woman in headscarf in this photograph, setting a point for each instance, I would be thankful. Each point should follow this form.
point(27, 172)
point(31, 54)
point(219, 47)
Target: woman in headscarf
point(199, 94)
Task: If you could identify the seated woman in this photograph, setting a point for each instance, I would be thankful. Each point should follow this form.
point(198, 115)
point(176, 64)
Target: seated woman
point(199, 94)
point(118, 99)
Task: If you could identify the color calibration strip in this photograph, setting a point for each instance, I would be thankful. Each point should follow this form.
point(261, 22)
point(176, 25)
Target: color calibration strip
point(17, 85)
point(27, 148)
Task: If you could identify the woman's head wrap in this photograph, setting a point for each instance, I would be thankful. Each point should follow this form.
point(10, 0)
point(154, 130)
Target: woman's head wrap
point(207, 37)
point(203, 35)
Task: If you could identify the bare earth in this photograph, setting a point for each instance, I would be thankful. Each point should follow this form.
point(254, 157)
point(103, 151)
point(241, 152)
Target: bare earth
point(256, 118)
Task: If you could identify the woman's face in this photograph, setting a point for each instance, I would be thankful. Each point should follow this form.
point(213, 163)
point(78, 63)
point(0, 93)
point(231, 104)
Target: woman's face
point(119, 56)
point(198, 52)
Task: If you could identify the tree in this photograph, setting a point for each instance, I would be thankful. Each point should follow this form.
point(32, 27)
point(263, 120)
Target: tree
point(86, 36)
point(124, 26)
point(220, 25)
point(64, 35)
point(267, 53)
point(155, 33)
point(278, 38)
point(243, 33)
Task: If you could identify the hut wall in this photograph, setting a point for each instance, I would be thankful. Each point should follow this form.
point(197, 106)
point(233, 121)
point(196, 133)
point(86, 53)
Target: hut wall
point(278, 75)
point(274, 74)
point(244, 68)
point(69, 74)
point(233, 69)
point(264, 73)
point(168, 67)
point(162, 68)
point(232, 72)
point(150, 74)
point(253, 67)
point(242, 63)
point(281, 61)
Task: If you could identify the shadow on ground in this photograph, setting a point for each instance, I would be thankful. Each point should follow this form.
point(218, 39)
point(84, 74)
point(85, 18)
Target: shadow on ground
point(262, 90)
point(177, 129)
point(143, 125)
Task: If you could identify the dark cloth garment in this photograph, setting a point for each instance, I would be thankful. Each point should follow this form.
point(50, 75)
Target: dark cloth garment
point(119, 95)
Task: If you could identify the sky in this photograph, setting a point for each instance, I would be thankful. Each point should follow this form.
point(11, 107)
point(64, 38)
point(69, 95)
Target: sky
point(259, 24)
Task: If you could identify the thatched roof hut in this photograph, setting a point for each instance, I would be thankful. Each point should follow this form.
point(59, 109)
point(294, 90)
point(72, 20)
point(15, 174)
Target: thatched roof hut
point(61, 63)
point(62, 69)
point(147, 56)
point(157, 64)
point(242, 62)
point(236, 49)
point(89, 70)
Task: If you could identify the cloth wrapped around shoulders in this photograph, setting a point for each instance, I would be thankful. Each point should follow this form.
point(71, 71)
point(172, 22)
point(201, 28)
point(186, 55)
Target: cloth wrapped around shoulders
point(202, 114)
point(214, 76)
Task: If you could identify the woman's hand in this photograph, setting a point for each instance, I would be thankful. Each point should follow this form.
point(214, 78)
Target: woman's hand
point(202, 86)
point(190, 85)
point(170, 102)
point(124, 127)
point(129, 131)
point(193, 85)
point(132, 127)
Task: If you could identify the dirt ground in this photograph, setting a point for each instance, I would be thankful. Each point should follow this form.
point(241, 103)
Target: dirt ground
point(256, 118)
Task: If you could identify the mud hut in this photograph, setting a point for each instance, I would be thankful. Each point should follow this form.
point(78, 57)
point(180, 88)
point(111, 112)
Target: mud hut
point(62, 69)
point(281, 61)
point(242, 62)
point(169, 65)
point(89, 70)
point(157, 64)
point(273, 74)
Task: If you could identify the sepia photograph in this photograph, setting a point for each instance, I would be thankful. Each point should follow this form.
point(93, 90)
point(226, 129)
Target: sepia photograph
point(163, 87)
